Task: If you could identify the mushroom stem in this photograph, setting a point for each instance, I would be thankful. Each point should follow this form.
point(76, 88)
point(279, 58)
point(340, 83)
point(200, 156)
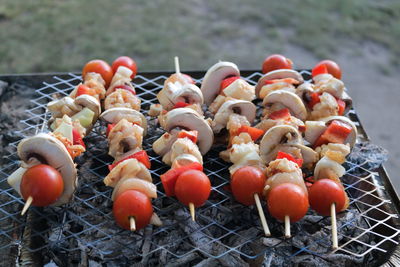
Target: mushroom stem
point(262, 216)
point(287, 227)
point(192, 211)
point(27, 205)
point(132, 224)
point(177, 69)
point(334, 227)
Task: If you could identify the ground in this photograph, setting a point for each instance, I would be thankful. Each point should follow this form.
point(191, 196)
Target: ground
point(362, 36)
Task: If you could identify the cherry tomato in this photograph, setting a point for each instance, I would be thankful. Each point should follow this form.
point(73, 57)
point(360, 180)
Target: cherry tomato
point(126, 62)
point(275, 62)
point(332, 67)
point(132, 203)
point(43, 183)
point(101, 67)
point(193, 186)
point(323, 193)
point(287, 200)
point(246, 182)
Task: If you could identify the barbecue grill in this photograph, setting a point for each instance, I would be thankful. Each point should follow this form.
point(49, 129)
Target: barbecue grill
point(225, 232)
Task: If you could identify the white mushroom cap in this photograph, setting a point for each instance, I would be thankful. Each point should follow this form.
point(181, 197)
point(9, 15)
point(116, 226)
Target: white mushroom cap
point(189, 119)
point(352, 138)
point(91, 103)
point(289, 100)
point(49, 150)
point(234, 106)
point(173, 93)
point(114, 115)
point(276, 136)
point(277, 74)
point(214, 76)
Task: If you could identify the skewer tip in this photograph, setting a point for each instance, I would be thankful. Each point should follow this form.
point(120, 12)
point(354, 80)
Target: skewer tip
point(177, 68)
point(132, 223)
point(27, 205)
point(287, 227)
point(192, 211)
point(262, 216)
point(335, 244)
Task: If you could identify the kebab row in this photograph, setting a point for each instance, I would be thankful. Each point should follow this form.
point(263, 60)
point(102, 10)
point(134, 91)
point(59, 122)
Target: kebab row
point(289, 111)
point(48, 175)
point(187, 138)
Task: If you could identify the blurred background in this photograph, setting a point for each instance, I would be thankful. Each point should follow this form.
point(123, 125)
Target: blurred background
point(362, 36)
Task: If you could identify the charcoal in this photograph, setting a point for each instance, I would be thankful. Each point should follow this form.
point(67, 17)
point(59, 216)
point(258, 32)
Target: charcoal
point(369, 155)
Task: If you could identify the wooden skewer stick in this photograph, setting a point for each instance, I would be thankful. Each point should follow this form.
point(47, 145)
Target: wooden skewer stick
point(287, 227)
point(132, 223)
point(177, 69)
point(192, 211)
point(262, 216)
point(334, 227)
point(27, 205)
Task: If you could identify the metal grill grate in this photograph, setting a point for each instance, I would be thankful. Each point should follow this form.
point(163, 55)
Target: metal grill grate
point(224, 228)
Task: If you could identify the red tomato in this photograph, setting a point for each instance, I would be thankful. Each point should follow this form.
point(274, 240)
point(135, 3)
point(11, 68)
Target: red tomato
point(193, 186)
point(169, 178)
point(126, 62)
point(84, 90)
point(126, 87)
point(323, 193)
point(276, 62)
point(132, 203)
point(101, 67)
point(246, 182)
point(226, 82)
point(332, 67)
point(287, 200)
point(43, 183)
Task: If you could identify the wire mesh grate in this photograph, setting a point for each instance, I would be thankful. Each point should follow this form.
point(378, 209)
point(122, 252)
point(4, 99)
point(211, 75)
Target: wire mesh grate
point(224, 229)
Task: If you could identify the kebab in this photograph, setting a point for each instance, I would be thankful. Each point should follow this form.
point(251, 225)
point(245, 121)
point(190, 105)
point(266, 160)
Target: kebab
point(229, 98)
point(48, 175)
point(129, 174)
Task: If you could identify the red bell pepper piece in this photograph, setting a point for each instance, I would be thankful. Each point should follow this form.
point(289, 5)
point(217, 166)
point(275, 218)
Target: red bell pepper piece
point(226, 82)
point(342, 106)
point(169, 178)
point(77, 138)
point(141, 156)
point(319, 69)
point(192, 135)
point(314, 100)
point(85, 90)
point(283, 155)
point(282, 114)
point(180, 105)
point(110, 126)
point(126, 87)
point(252, 131)
point(336, 132)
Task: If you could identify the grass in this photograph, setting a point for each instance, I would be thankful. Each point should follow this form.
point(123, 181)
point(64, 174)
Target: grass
point(45, 35)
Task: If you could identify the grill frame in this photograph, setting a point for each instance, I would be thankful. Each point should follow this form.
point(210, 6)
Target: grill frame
point(378, 183)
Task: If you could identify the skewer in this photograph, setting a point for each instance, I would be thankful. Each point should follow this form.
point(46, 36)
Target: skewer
point(287, 227)
point(262, 216)
point(27, 205)
point(132, 224)
point(334, 227)
point(177, 69)
point(192, 211)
